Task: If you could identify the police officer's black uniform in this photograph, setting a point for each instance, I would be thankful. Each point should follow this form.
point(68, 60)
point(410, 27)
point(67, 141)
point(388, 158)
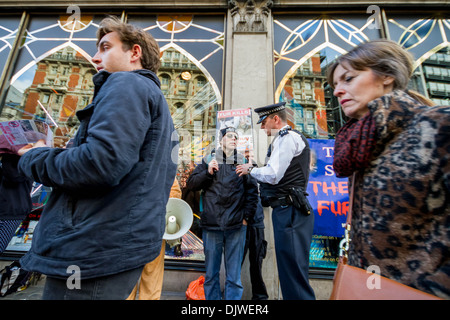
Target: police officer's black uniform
point(293, 219)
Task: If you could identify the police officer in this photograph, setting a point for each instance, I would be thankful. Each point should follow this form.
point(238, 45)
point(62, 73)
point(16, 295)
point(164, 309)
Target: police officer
point(283, 181)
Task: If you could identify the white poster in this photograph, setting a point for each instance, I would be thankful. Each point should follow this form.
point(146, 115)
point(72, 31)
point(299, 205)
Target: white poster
point(241, 120)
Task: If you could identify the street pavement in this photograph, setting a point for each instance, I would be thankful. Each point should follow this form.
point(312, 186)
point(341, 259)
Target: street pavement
point(35, 289)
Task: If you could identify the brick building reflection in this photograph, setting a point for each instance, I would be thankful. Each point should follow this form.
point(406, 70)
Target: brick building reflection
point(63, 85)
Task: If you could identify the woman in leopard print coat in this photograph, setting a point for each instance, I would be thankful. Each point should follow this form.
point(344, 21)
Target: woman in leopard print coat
point(398, 150)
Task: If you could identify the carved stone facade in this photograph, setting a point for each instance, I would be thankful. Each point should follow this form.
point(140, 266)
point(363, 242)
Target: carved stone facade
point(250, 16)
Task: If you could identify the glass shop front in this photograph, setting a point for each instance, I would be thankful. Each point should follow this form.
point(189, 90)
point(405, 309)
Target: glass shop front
point(50, 79)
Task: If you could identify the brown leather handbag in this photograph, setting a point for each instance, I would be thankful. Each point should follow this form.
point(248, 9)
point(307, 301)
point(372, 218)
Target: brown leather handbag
point(352, 283)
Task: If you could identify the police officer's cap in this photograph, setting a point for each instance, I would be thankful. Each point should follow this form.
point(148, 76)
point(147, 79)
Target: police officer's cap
point(263, 112)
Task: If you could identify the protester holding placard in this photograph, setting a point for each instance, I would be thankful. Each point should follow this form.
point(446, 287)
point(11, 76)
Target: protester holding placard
point(229, 201)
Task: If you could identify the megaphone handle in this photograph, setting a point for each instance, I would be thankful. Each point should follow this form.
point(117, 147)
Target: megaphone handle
point(172, 225)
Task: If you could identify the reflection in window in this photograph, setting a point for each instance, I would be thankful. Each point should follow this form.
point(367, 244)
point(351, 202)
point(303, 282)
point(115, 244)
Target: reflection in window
point(8, 30)
point(62, 83)
point(432, 78)
point(51, 69)
point(426, 38)
point(201, 81)
point(314, 109)
point(193, 105)
point(192, 51)
point(303, 48)
point(191, 100)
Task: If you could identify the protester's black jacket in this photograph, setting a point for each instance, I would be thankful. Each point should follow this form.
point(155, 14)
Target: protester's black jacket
point(15, 200)
point(227, 199)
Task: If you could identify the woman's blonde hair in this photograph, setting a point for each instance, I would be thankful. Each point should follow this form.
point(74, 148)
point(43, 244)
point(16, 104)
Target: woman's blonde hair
point(130, 35)
point(384, 58)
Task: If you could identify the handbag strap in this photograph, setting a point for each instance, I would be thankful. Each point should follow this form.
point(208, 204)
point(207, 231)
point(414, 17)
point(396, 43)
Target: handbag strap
point(347, 227)
point(351, 199)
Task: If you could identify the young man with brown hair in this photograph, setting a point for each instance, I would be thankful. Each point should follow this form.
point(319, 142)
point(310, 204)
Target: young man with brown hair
point(106, 214)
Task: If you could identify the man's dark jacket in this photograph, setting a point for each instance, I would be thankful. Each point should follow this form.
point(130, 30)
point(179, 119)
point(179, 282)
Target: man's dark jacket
point(106, 213)
point(227, 198)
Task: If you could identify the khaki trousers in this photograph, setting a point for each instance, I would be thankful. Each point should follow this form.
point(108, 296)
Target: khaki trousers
point(150, 284)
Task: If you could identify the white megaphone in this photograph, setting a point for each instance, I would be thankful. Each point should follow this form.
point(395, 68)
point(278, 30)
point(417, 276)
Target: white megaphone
point(179, 220)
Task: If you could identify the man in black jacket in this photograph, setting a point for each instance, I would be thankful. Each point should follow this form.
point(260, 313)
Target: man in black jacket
point(228, 202)
point(15, 199)
point(105, 217)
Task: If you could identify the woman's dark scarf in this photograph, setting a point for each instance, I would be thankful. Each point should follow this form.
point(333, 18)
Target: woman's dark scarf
point(353, 146)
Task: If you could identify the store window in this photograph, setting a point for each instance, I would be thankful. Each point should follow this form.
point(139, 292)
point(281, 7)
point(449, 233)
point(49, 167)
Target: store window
point(8, 32)
point(193, 110)
point(426, 38)
point(53, 74)
point(304, 46)
point(52, 79)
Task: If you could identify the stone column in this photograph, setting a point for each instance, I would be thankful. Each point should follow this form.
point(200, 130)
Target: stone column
point(249, 82)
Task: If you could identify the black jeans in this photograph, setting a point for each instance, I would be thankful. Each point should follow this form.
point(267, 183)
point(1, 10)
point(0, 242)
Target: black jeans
point(257, 247)
point(113, 287)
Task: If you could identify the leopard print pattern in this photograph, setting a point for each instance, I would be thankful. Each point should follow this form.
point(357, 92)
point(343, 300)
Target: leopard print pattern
point(401, 211)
